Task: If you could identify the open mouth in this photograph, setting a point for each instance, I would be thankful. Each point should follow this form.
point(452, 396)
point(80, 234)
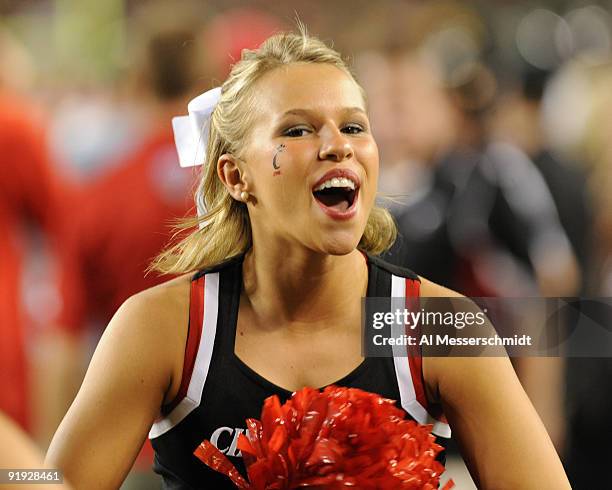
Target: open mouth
point(337, 193)
point(338, 198)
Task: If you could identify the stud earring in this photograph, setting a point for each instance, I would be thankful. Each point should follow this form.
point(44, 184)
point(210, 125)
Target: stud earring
point(244, 196)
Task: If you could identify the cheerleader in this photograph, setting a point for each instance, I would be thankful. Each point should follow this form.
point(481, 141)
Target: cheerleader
point(269, 299)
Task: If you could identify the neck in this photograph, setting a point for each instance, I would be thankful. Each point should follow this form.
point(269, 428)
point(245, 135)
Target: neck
point(302, 287)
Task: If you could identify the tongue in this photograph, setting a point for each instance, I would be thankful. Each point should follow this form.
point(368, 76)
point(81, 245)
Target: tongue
point(336, 200)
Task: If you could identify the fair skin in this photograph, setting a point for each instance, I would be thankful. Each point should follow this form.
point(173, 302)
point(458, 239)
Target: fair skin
point(303, 282)
point(18, 452)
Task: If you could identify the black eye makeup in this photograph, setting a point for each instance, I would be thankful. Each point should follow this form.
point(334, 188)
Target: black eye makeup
point(353, 128)
point(296, 131)
point(299, 131)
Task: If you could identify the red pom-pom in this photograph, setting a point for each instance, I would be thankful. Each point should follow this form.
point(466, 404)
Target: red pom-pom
point(338, 438)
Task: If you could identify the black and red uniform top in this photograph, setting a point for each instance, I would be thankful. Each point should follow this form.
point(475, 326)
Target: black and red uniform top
point(219, 392)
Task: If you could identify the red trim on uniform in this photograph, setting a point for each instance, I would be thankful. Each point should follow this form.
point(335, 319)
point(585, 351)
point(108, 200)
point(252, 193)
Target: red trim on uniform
point(194, 334)
point(413, 290)
point(415, 359)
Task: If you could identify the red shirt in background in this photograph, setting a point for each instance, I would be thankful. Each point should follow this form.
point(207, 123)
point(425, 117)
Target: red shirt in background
point(120, 223)
point(30, 193)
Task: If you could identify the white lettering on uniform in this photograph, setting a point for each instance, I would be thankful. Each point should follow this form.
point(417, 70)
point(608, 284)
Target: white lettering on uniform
point(232, 449)
point(214, 438)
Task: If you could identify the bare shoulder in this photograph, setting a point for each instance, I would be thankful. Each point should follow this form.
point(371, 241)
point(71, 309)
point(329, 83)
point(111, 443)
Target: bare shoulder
point(440, 372)
point(430, 289)
point(156, 320)
point(161, 303)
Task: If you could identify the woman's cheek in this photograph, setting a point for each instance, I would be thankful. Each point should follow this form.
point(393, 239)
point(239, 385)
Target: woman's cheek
point(282, 159)
point(370, 161)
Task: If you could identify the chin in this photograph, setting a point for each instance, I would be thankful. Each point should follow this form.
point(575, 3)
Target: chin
point(341, 245)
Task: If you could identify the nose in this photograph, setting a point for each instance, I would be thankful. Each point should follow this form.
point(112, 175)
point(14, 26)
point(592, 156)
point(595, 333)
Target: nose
point(335, 145)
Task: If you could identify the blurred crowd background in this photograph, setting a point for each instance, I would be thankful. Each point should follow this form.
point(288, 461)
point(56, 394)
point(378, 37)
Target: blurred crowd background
point(494, 123)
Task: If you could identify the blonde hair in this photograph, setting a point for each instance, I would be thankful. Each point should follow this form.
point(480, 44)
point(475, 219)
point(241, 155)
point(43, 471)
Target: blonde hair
point(224, 230)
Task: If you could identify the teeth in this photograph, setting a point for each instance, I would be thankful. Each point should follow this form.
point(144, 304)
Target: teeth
point(337, 182)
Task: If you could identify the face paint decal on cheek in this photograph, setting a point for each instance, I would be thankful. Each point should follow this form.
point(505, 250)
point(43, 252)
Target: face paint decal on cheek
point(279, 149)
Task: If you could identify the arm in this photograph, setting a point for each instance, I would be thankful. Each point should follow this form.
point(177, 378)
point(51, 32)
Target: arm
point(18, 452)
point(136, 367)
point(543, 380)
point(501, 437)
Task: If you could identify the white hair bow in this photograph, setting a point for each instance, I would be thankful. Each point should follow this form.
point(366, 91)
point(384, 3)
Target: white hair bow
point(191, 132)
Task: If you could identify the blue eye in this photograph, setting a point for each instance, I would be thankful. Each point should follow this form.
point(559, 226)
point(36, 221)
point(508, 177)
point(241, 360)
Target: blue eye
point(296, 132)
point(352, 129)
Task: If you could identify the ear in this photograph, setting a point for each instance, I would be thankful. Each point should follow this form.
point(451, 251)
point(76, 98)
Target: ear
point(232, 176)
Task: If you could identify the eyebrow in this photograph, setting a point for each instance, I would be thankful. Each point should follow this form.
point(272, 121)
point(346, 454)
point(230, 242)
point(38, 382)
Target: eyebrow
point(302, 112)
